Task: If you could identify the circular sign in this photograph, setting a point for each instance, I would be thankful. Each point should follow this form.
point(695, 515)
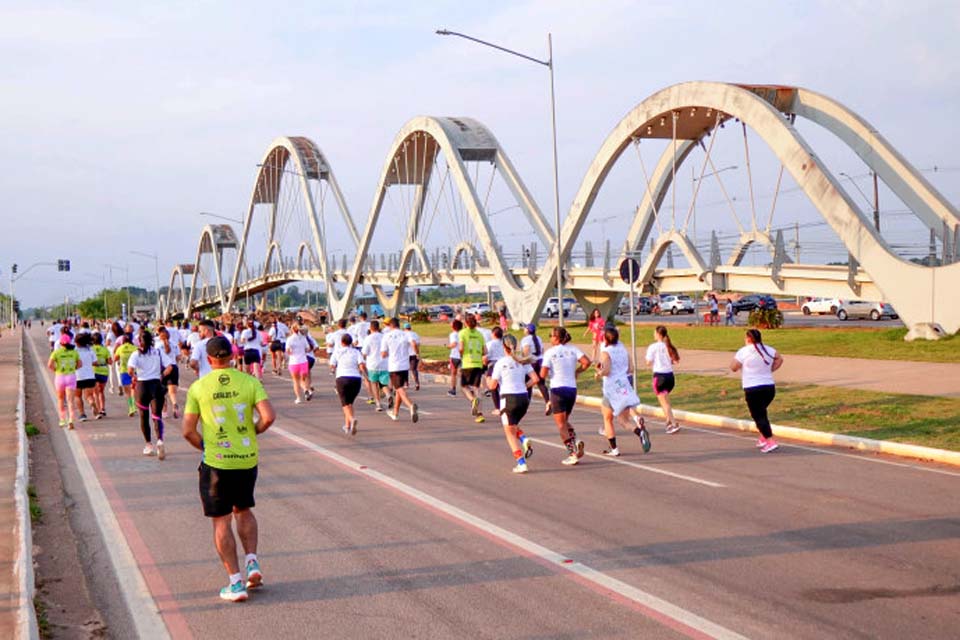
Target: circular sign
point(629, 270)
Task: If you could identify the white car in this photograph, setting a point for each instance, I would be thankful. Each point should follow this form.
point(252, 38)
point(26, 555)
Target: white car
point(480, 307)
point(862, 309)
point(552, 309)
point(821, 306)
point(676, 304)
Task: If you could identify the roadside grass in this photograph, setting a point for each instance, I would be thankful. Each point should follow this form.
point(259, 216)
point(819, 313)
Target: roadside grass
point(43, 623)
point(36, 511)
point(31, 429)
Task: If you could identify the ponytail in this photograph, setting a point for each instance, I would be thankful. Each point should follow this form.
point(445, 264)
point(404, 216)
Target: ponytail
point(757, 340)
point(665, 338)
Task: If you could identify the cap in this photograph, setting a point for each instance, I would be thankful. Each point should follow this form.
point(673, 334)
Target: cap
point(531, 328)
point(64, 339)
point(406, 325)
point(219, 347)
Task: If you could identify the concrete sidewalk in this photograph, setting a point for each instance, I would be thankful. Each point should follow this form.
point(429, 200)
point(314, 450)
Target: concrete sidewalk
point(888, 376)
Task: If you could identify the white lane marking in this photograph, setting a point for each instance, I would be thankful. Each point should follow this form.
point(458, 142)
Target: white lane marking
point(136, 594)
point(559, 561)
point(826, 451)
point(637, 465)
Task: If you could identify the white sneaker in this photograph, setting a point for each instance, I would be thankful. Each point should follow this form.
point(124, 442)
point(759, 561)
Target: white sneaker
point(520, 468)
point(353, 427)
point(602, 432)
point(393, 416)
point(297, 401)
point(346, 429)
point(613, 453)
point(414, 413)
point(161, 450)
point(148, 449)
point(570, 460)
point(672, 428)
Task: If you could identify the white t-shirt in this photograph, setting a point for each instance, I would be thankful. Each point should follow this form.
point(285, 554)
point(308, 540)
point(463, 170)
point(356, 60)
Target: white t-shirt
point(149, 365)
point(347, 361)
point(397, 348)
point(454, 339)
point(414, 339)
point(494, 351)
point(174, 349)
point(174, 334)
point(333, 340)
point(511, 376)
point(87, 359)
point(250, 339)
point(193, 339)
point(527, 343)
point(371, 351)
point(659, 357)
point(297, 348)
point(487, 334)
point(757, 365)
point(562, 360)
point(358, 331)
point(199, 355)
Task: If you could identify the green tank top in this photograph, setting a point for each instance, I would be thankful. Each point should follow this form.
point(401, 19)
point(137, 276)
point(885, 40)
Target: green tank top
point(65, 361)
point(103, 355)
point(472, 341)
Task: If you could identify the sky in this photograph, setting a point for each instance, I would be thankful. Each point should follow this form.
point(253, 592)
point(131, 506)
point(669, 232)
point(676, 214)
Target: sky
point(120, 121)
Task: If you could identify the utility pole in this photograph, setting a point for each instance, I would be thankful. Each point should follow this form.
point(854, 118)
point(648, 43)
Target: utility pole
point(876, 202)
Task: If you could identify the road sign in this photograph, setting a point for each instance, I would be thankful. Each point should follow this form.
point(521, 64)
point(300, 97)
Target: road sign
point(629, 270)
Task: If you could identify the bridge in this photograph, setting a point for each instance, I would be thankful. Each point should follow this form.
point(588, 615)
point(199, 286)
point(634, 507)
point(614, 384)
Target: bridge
point(450, 208)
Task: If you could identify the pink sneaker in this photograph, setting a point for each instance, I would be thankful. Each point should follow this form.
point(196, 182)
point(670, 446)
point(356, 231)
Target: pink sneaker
point(762, 442)
point(770, 446)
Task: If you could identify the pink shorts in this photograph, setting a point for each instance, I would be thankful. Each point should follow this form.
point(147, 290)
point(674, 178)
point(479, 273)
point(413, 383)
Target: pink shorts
point(300, 369)
point(65, 381)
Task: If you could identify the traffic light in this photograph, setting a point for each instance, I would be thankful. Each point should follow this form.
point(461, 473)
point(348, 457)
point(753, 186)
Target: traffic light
point(63, 265)
point(14, 267)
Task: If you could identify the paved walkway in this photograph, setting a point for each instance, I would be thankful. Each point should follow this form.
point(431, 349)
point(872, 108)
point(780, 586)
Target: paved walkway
point(888, 376)
point(9, 383)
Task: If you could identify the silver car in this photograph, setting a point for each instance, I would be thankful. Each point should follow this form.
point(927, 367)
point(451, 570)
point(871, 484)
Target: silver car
point(862, 309)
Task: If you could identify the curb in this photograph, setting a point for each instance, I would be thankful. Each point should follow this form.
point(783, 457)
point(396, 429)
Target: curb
point(27, 626)
point(869, 445)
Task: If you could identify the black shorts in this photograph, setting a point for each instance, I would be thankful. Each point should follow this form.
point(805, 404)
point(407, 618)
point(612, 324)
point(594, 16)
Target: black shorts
point(513, 407)
point(251, 356)
point(562, 399)
point(454, 363)
point(275, 346)
point(173, 378)
point(663, 383)
point(471, 377)
point(399, 379)
point(222, 490)
point(101, 379)
point(89, 383)
point(310, 362)
point(348, 389)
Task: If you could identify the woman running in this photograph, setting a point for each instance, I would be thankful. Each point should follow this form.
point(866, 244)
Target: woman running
point(101, 372)
point(350, 369)
point(619, 398)
point(758, 362)
point(171, 381)
point(532, 348)
point(121, 356)
point(64, 362)
point(495, 351)
point(86, 380)
point(563, 363)
point(595, 327)
point(661, 356)
point(296, 348)
point(252, 344)
point(510, 381)
point(147, 367)
point(453, 343)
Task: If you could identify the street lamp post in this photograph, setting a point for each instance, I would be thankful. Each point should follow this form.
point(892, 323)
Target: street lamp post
point(156, 274)
point(553, 120)
point(876, 196)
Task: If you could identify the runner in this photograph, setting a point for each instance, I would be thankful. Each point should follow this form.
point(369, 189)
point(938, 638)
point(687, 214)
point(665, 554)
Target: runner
point(662, 355)
point(396, 349)
point(494, 353)
point(414, 339)
point(296, 348)
point(64, 362)
point(121, 356)
point(101, 373)
point(453, 343)
point(472, 350)
point(278, 340)
point(86, 380)
point(619, 397)
point(198, 355)
point(595, 326)
point(563, 363)
point(171, 381)
point(228, 472)
point(251, 341)
point(349, 366)
point(758, 362)
point(532, 348)
point(512, 378)
point(147, 367)
point(377, 375)
point(332, 338)
point(311, 360)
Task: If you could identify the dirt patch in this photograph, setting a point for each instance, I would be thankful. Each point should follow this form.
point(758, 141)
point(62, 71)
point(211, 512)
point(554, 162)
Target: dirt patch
point(64, 599)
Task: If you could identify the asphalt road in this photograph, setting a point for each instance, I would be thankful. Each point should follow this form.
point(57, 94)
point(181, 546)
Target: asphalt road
point(421, 531)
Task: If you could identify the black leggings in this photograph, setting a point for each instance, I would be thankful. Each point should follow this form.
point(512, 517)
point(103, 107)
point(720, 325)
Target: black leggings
point(758, 399)
point(149, 397)
point(541, 384)
point(415, 369)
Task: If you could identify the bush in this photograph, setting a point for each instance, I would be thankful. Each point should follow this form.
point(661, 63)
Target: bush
point(419, 316)
point(491, 317)
point(765, 318)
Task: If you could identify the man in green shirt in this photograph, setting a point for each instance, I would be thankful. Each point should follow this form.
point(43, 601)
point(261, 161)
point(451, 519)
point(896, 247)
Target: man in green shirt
point(472, 349)
point(225, 400)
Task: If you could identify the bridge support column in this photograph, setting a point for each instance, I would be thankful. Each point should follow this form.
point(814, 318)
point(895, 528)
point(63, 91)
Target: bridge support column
point(606, 301)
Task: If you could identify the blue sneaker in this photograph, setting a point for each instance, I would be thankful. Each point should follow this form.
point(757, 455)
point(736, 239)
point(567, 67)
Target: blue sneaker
point(234, 593)
point(254, 577)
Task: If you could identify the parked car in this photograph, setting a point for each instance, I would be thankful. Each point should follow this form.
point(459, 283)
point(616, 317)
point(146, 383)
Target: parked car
point(676, 304)
point(552, 308)
point(753, 301)
point(862, 309)
point(408, 310)
point(438, 310)
point(644, 304)
point(480, 307)
point(820, 306)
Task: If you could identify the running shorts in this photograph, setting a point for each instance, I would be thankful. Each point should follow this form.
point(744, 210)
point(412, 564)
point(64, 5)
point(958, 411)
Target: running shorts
point(379, 377)
point(399, 379)
point(251, 356)
point(125, 379)
point(102, 379)
point(348, 389)
point(173, 378)
point(222, 490)
point(513, 407)
point(663, 383)
point(471, 377)
point(454, 363)
point(562, 399)
point(88, 383)
point(310, 362)
point(300, 369)
point(276, 345)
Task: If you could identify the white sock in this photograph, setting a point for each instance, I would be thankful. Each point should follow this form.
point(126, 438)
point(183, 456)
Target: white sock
point(234, 578)
point(250, 557)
